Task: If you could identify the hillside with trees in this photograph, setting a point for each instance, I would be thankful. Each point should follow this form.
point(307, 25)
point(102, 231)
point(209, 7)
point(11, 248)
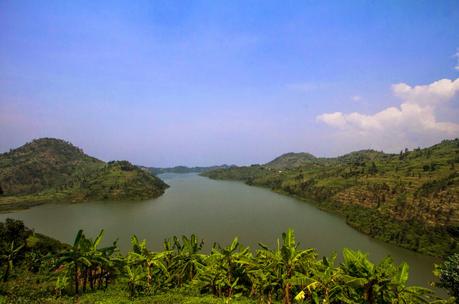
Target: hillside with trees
point(49, 169)
point(410, 199)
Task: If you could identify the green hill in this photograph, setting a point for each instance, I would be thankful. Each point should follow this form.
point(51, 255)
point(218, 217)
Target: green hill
point(291, 160)
point(410, 199)
point(50, 169)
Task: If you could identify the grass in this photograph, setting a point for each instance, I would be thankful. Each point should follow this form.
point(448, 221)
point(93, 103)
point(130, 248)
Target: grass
point(34, 288)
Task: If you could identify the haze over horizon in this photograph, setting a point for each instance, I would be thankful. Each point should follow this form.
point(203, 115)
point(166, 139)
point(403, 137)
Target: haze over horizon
point(202, 83)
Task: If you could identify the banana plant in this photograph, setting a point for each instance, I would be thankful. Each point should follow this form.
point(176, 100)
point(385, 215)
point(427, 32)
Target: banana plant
point(74, 259)
point(323, 284)
point(187, 259)
point(150, 261)
point(382, 283)
point(224, 270)
point(135, 278)
point(86, 262)
point(403, 293)
point(263, 281)
point(8, 258)
point(289, 259)
point(101, 261)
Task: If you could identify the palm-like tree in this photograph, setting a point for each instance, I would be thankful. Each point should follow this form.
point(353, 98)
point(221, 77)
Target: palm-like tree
point(383, 283)
point(136, 279)
point(73, 259)
point(8, 258)
point(101, 261)
point(224, 270)
point(150, 261)
point(187, 260)
point(293, 260)
point(86, 262)
point(284, 262)
point(324, 282)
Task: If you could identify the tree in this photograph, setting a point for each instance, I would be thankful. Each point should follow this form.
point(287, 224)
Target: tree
point(379, 283)
point(284, 263)
point(8, 258)
point(373, 169)
point(73, 259)
point(224, 270)
point(148, 260)
point(86, 263)
point(448, 274)
point(187, 260)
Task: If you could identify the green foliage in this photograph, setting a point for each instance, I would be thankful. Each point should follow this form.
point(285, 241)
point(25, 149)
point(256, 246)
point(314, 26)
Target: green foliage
point(291, 160)
point(20, 246)
point(228, 274)
point(448, 273)
point(409, 199)
point(86, 264)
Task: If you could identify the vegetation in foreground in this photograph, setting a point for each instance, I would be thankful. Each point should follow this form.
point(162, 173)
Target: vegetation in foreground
point(52, 170)
point(36, 269)
point(409, 199)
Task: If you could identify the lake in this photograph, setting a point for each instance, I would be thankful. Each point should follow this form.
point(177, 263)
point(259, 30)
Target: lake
point(215, 211)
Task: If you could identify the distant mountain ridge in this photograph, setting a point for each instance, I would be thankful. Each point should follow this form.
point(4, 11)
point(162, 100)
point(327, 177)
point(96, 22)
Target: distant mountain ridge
point(50, 169)
point(183, 169)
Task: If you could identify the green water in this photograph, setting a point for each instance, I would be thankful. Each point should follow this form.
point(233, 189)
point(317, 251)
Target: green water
point(215, 211)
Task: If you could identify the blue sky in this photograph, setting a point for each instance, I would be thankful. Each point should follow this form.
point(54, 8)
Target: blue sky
point(163, 83)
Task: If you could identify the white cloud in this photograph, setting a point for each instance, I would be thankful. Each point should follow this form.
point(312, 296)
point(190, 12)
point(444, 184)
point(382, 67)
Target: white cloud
point(414, 122)
point(428, 95)
point(336, 119)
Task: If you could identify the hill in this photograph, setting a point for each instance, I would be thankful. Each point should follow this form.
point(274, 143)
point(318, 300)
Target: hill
point(292, 160)
point(410, 199)
point(49, 169)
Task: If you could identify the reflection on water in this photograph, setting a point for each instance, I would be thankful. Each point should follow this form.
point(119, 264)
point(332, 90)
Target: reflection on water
point(215, 211)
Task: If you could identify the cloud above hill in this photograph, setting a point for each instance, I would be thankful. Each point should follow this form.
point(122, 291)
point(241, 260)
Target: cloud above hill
point(414, 122)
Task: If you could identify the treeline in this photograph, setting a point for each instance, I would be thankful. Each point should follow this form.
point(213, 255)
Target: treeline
point(284, 274)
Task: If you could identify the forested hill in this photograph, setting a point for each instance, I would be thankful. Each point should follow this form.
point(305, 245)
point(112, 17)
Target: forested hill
point(291, 160)
point(49, 169)
point(410, 198)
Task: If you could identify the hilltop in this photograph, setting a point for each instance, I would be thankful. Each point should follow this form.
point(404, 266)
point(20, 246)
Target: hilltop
point(49, 169)
point(410, 199)
point(292, 160)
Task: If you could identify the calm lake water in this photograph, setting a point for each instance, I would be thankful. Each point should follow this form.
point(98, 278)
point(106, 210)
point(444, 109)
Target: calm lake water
point(215, 211)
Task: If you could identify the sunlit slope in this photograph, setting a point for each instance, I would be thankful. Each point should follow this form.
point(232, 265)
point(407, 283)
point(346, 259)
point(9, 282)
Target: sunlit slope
point(410, 199)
